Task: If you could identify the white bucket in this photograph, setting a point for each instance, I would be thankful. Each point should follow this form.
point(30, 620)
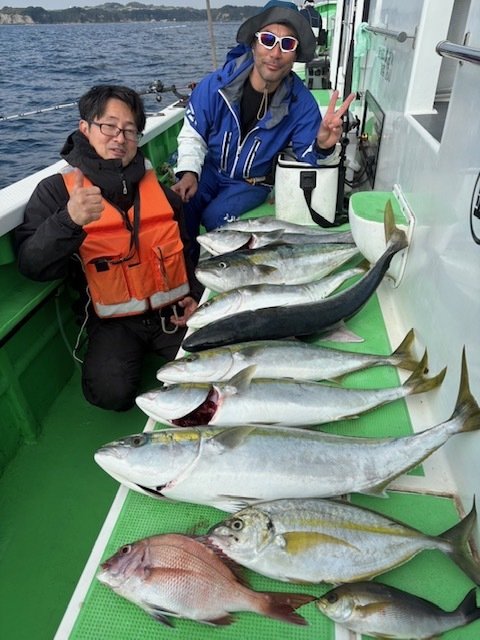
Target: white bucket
point(291, 179)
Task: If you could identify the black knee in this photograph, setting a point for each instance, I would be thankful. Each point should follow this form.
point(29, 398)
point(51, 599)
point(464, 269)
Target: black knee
point(112, 396)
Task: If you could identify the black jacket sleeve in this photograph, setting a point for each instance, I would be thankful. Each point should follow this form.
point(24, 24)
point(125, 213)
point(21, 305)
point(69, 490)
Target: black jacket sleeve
point(196, 289)
point(48, 237)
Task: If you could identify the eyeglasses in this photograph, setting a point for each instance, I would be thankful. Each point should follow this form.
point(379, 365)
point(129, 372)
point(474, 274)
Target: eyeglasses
point(269, 40)
point(112, 131)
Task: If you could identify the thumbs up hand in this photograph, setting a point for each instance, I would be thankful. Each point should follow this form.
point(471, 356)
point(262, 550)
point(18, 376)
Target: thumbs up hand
point(85, 204)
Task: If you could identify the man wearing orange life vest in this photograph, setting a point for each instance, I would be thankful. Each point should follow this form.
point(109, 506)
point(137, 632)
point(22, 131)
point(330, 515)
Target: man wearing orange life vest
point(108, 214)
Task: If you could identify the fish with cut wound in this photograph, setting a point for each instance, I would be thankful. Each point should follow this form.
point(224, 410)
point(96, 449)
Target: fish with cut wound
point(245, 400)
point(174, 575)
point(230, 467)
point(381, 611)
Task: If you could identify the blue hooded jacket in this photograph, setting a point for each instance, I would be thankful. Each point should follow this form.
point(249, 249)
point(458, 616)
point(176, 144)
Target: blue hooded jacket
point(293, 119)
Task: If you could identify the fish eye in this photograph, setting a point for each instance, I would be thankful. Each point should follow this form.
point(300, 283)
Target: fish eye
point(125, 550)
point(332, 598)
point(138, 440)
point(237, 524)
point(222, 265)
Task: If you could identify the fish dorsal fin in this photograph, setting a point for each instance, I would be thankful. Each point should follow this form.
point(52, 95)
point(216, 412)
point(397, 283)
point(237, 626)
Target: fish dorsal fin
point(232, 437)
point(263, 238)
point(240, 381)
point(230, 564)
point(300, 541)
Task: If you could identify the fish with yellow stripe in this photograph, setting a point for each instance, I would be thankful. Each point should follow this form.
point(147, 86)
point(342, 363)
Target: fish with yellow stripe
point(317, 540)
point(382, 611)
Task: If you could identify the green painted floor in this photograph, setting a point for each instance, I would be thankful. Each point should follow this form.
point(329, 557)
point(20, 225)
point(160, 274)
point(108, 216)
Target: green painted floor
point(54, 499)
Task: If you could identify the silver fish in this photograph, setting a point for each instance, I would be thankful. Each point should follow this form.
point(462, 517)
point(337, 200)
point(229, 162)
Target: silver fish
point(245, 400)
point(281, 359)
point(269, 223)
point(299, 319)
point(260, 296)
point(314, 540)
point(175, 575)
point(283, 264)
point(229, 240)
point(381, 611)
point(231, 467)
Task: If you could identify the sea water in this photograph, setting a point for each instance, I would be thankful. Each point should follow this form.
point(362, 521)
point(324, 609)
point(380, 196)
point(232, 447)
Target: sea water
point(45, 66)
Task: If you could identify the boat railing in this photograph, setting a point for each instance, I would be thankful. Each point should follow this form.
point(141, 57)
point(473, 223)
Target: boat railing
point(459, 52)
point(400, 36)
point(14, 197)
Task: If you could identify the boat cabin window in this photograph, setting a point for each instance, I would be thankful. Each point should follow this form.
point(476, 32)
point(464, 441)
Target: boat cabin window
point(434, 122)
point(371, 135)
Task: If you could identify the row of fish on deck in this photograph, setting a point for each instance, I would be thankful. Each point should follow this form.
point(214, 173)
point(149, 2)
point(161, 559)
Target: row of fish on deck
point(241, 406)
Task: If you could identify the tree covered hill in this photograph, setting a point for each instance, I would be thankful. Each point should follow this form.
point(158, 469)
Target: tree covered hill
point(115, 12)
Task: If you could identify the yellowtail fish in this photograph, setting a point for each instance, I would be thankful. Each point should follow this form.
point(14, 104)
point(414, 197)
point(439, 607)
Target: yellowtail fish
point(318, 540)
point(260, 296)
point(283, 264)
point(282, 359)
point(269, 223)
point(173, 575)
point(234, 466)
point(381, 611)
point(231, 240)
point(245, 400)
point(298, 319)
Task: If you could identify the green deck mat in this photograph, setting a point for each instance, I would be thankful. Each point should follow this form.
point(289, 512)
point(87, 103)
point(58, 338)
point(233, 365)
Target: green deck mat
point(107, 616)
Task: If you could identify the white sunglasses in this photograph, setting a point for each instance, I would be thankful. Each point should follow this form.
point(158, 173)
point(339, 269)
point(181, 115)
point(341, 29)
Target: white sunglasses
point(269, 40)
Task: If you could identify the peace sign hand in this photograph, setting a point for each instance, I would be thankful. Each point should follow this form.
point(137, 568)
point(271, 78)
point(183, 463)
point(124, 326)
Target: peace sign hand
point(331, 127)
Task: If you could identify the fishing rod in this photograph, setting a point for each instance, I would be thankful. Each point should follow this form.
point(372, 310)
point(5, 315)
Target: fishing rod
point(156, 88)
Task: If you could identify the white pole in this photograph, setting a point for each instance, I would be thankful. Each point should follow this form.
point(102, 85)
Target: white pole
point(212, 38)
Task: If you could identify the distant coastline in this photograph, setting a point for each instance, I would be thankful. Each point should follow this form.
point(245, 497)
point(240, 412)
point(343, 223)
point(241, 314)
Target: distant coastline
point(115, 12)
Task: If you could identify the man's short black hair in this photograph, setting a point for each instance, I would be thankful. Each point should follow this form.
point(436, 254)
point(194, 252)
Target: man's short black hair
point(92, 104)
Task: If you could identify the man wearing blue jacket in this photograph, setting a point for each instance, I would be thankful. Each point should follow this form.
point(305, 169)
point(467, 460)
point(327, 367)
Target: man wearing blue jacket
point(239, 118)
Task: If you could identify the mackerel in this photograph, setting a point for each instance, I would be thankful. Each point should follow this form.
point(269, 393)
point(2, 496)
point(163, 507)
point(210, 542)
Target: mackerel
point(244, 400)
point(258, 296)
point(232, 467)
point(331, 541)
point(302, 319)
point(282, 264)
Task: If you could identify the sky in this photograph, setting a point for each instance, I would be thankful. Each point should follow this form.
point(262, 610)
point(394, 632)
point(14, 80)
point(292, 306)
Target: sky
point(64, 4)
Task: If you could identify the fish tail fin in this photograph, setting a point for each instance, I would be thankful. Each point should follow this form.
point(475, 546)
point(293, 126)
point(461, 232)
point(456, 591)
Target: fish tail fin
point(403, 356)
point(457, 536)
point(419, 383)
point(468, 607)
point(283, 606)
point(393, 235)
point(466, 409)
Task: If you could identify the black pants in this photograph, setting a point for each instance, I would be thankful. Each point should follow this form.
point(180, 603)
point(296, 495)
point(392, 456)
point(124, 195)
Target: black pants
point(115, 353)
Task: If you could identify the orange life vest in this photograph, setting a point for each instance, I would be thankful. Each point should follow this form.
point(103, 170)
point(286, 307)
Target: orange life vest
point(131, 269)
